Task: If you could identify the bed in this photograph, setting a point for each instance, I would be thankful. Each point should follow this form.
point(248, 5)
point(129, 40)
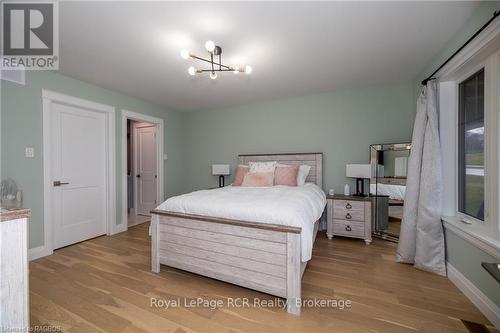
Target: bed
point(395, 192)
point(266, 251)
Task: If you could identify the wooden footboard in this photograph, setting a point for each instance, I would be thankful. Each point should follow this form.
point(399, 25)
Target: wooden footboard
point(263, 257)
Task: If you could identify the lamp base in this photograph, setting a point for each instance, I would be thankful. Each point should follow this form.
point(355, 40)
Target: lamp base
point(360, 188)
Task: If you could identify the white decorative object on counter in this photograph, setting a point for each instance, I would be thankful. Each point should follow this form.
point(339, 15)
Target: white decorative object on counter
point(347, 190)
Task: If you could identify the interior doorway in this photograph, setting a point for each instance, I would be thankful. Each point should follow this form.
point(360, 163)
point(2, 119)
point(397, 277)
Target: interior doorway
point(143, 167)
point(78, 168)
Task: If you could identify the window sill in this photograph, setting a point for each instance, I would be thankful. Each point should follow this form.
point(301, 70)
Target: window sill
point(485, 239)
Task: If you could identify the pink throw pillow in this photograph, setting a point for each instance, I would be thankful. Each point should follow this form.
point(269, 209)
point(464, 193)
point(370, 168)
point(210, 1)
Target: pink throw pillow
point(241, 171)
point(286, 175)
point(258, 179)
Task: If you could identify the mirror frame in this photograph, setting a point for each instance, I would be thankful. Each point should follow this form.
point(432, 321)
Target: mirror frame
point(375, 150)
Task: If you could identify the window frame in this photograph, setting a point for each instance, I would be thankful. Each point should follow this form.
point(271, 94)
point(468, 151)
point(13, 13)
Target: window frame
point(490, 64)
point(484, 50)
point(460, 179)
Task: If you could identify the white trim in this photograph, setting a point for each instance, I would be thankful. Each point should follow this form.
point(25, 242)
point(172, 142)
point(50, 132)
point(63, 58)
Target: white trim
point(122, 227)
point(48, 97)
point(38, 252)
point(475, 235)
point(474, 48)
point(489, 309)
point(159, 144)
point(80, 102)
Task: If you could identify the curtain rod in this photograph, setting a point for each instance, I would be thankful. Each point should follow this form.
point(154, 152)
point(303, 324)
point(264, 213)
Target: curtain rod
point(430, 77)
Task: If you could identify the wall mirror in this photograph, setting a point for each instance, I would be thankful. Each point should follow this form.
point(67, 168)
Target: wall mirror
point(388, 187)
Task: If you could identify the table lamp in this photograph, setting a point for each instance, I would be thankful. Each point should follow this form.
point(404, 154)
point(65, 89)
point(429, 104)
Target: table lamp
point(360, 172)
point(220, 170)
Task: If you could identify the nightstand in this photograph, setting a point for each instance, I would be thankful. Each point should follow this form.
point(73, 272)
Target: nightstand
point(349, 216)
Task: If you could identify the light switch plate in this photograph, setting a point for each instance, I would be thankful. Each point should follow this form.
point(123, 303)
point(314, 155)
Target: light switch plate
point(29, 152)
point(165, 157)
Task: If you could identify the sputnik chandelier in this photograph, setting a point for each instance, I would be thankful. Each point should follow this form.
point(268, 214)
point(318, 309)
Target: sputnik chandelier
point(215, 65)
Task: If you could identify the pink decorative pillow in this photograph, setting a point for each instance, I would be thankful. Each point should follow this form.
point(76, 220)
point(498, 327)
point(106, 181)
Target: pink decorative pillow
point(258, 179)
point(241, 171)
point(286, 175)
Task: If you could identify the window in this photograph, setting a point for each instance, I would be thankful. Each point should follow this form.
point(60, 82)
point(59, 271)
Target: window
point(471, 162)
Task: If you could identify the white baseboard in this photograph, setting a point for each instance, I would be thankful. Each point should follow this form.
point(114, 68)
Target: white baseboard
point(119, 228)
point(38, 252)
point(489, 309)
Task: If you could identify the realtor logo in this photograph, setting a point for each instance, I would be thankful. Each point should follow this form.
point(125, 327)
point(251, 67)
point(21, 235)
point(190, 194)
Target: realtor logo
point(30, 35)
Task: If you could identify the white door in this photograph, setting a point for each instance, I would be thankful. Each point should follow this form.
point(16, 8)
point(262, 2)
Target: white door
point(146, 169)
point(78, 158)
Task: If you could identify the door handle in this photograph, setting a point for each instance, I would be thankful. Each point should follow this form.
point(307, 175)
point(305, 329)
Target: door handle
point(138, 176)
point(59, 183)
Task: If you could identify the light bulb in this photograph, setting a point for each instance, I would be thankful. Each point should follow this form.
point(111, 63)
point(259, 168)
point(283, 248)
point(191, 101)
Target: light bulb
point(213, 75)
point(191, 70)
point(236, 70)
point(185, 54)
point(248, 69)
point(210, 46)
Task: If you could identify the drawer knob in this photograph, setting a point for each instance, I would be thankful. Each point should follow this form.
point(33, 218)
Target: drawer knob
point(348, 206)
point(348, 228)
point(348, 216)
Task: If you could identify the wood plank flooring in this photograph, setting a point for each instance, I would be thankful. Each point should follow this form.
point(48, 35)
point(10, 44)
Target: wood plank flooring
point(105, 285)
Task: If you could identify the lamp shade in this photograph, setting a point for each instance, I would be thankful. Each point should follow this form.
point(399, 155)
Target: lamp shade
point(220, 169)
point(358, 170)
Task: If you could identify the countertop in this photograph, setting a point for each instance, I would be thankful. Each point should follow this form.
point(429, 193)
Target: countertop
point(13, 213)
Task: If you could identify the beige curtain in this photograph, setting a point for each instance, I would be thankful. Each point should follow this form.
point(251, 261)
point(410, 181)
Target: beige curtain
point(421, 239)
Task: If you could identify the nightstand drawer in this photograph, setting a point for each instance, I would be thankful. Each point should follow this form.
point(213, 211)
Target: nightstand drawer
point(349, 210)
point(349, 228)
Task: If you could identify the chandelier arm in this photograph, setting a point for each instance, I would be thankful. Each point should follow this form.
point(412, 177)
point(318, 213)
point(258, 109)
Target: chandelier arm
point(210, 62)
point(215, 70)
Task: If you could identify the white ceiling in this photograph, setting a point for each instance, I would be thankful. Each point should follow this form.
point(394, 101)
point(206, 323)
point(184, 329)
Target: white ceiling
point(295, 48)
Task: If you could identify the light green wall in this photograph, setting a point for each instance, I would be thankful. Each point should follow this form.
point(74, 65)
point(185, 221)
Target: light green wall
point(342, 125)
point(21, 126)
point(465, 257)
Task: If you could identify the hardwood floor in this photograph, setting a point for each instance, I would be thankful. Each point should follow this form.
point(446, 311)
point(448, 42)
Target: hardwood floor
point(105, 285)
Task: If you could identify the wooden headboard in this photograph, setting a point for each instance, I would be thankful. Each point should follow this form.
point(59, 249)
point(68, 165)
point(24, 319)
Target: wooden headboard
point(315, 160)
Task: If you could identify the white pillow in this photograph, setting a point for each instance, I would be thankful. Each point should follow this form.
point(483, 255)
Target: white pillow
point(302, 175)
point(262, 166)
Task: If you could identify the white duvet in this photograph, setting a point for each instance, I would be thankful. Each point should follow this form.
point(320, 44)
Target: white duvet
point(393, 191)
point(299, 206)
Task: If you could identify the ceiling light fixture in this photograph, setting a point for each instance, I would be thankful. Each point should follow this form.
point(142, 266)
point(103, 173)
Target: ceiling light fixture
point(215, 65)
point(185, 54)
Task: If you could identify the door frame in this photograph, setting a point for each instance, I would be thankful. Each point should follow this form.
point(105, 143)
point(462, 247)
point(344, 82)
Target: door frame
point(126, 114)
point(48, 97)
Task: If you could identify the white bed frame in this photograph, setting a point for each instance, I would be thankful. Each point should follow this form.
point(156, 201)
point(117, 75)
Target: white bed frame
point(260, 256)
